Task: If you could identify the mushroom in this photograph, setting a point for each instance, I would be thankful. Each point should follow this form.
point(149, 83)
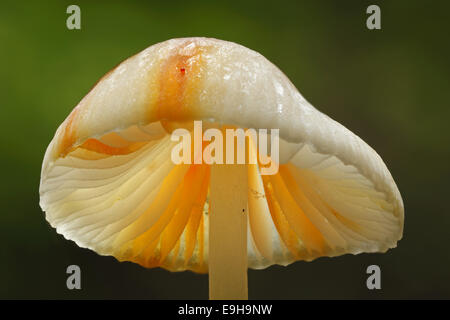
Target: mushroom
point(108, 182)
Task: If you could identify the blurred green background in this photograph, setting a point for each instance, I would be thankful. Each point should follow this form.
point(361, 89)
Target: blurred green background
point(389, 86)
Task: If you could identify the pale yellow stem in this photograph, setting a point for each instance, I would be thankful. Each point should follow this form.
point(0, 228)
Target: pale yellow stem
point(228, 232)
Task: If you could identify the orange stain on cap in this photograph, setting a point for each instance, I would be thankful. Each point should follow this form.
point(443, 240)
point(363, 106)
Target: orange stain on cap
point(69, 136)
point(179, 79)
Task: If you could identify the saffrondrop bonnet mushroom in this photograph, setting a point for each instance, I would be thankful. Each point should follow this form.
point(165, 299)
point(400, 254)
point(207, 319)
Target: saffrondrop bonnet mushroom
point(108, 182)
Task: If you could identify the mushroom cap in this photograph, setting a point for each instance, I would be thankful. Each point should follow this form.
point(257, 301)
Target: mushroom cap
point(108, 184)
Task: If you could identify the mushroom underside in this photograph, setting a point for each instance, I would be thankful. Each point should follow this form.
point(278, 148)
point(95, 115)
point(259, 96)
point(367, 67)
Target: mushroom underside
point(121, 195)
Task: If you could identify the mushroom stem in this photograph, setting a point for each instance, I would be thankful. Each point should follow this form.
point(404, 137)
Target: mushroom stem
point(228, 232)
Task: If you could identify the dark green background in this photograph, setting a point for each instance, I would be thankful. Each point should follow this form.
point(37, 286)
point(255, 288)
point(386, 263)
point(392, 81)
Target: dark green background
point(390, 86)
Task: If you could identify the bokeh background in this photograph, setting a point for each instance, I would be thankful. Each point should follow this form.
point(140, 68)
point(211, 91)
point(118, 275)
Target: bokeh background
point(389, 86)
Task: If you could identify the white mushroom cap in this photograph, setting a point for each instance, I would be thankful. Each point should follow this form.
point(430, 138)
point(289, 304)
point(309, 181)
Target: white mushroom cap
point(108, 183)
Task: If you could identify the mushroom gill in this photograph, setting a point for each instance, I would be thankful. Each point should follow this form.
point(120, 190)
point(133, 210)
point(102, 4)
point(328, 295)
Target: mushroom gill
point(119, 194)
